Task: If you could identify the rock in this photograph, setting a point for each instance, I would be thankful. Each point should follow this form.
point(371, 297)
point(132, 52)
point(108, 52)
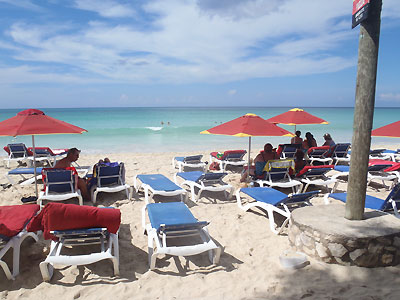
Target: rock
point(396, 242)
point(387, 259)
point(306, 240)
point(321, 250)
point(356, 254)
point(337, 250)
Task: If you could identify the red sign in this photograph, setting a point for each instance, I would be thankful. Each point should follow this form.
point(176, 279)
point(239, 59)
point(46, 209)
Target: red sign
point(360, 11)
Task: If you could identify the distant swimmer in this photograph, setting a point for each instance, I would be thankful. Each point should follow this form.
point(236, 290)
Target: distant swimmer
point(162, 123)
point(169, 123)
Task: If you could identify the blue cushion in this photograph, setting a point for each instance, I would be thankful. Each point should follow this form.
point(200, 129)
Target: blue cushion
point(23, 171)
point(370, 201)
point(159, 182)
point(265, 194)
point(172, 214)
point(191, 176)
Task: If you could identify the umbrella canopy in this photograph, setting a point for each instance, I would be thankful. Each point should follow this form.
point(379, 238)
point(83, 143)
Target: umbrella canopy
point(296, 116)
point(390, 130)
point(248, 125)
point(35, 122)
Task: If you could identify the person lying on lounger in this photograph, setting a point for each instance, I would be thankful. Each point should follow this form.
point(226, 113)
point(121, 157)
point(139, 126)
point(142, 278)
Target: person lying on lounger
point(72, 156)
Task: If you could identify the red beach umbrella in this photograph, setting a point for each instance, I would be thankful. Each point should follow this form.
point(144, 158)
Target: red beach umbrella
point(248, 125)
point(296, 116)
point(390, 130)
point(35, 122)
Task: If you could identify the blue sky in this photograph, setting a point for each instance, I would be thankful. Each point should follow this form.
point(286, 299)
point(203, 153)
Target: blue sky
point(90, 53)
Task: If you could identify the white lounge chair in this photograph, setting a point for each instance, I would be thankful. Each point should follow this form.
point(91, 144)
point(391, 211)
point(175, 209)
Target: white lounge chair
point(59, 184)
point(193, 161)
point(230, 157)
point(173, 221)
point(22, 172)
point(320, 154)
point(78, 226)
point(157, 184)
point(276, 174)
point(110, 179)
point(16, 153)
point(45, 154)
point(13, 221)
point(341, 153)
point(316, 175)
point(212, 182)
point(273, 201)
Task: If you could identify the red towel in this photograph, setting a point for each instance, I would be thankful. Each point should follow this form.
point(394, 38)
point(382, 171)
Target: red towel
point(60, 216)
point(14, 218)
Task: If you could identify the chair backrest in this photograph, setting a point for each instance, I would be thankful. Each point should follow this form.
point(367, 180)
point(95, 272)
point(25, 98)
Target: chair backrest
point(113, 174)
point(18, 150)
point(278, 169)
point(211, 178)
point(288, 150)
point(377, 168)
point(317, 152)
point(234, 155)
point(341, 150)
point(317, 172)
point(376, 152)
point(59, 181)
point(193, 159)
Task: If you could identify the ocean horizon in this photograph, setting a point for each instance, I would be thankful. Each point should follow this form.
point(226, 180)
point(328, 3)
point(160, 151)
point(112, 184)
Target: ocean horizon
point(177, 129)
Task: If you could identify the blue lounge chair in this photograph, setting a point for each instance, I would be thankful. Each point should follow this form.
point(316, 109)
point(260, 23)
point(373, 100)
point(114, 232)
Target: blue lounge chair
point(22, 172)
point(110, 179)
point(193, 161)
point(157, 184)
point(60, 184)
point(273, 201)
point(320, 155)
point(372, 202)
point(276, 174)
point(212, 182)
point(175, 221)
point(45, 154)
point(7, 224)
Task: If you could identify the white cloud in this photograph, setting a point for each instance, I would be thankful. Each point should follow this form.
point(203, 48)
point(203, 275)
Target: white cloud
point(106, 8)
point(26, 4)
point(189, 42)
point(232, 92)
point(390, 97)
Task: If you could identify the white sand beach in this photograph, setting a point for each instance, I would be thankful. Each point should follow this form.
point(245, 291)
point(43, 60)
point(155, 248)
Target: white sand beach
point(249, 267)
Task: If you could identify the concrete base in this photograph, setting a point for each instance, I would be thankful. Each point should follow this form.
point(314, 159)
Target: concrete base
point(322, 232)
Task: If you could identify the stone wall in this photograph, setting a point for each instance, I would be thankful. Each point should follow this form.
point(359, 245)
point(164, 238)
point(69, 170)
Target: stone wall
point(335, 248)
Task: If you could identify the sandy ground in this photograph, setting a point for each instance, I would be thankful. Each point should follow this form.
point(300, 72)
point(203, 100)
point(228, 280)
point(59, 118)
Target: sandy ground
point(249, 267)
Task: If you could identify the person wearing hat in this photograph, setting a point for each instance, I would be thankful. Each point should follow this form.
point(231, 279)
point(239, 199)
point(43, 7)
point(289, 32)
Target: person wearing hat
point(66, 162)
point(328, 140)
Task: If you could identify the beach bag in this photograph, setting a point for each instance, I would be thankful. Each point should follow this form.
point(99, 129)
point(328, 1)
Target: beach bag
point(214, 166)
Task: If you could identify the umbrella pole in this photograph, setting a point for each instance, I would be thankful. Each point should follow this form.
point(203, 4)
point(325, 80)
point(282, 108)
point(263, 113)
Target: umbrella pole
point(34, 165)
point(248, 165)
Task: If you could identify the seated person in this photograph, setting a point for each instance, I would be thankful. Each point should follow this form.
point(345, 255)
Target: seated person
point(299, 161)
point(66, 162)
point(309, 141)
point(328, 140)
point(297, 139)
point(268, 154)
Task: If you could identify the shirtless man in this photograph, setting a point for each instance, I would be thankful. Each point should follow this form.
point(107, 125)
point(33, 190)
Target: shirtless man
point(72, 156)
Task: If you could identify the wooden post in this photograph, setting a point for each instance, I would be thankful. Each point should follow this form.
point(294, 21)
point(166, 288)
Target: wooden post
point(363, 111)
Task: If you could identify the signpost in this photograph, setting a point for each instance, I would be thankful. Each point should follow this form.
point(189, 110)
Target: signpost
point(360, 11)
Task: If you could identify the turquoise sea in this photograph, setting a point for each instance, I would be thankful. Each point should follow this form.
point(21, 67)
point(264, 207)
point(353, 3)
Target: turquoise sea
point(144, 129)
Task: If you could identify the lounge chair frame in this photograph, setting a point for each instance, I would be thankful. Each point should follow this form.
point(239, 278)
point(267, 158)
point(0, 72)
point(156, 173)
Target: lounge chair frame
point(318, 177)
point(230, 157)
point(212, 182)
point(341, 153)
point(109, 249)
point(158, 239)
point(14, 243)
